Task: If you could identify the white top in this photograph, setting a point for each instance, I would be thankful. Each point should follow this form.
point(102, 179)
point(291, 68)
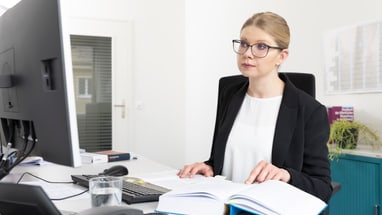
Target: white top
point(251, 137)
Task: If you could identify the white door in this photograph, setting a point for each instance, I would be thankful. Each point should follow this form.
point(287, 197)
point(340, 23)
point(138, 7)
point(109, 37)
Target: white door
point(103, 89)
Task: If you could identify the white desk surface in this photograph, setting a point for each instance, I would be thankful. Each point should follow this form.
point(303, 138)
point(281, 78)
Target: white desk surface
point(58, 173)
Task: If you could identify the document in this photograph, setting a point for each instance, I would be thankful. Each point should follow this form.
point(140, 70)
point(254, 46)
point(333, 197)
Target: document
point(217, 196)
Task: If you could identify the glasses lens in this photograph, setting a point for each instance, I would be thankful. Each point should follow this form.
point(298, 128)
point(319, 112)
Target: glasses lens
point(240, 47)
point(236, 45)
point(260, 50)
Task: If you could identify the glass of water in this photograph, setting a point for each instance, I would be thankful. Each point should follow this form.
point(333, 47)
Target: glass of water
point(105, 191)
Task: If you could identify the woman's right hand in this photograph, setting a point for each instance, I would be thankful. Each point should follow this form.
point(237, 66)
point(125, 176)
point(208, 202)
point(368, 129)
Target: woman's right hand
point(189, 171)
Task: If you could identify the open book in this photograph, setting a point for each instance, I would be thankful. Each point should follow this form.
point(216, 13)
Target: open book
point(217, 196)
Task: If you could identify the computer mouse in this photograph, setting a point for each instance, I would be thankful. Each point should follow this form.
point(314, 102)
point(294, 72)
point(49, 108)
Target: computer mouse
point(117, 170)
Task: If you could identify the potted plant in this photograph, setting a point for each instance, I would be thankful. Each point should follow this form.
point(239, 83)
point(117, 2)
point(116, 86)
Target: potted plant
point(346, 134)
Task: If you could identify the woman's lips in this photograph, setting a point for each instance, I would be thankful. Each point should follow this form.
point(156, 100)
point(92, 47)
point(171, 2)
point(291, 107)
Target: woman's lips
point(247, 65)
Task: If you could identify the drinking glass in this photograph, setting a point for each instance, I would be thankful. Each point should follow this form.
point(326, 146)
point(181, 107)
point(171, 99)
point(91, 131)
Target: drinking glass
point(105, 191)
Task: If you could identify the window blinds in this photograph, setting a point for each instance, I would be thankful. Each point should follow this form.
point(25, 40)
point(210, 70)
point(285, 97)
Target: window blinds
point(91, 57)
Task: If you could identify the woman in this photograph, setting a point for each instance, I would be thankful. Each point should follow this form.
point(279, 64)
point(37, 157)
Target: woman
point(266, 128)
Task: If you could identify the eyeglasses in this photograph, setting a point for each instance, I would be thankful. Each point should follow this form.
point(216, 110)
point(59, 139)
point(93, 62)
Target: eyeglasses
point(259, 50)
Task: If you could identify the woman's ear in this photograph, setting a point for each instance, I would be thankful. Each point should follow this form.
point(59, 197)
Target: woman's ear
point(283, 56)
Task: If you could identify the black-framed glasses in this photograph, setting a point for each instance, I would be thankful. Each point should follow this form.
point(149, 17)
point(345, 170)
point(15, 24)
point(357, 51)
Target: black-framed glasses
point(259, 50)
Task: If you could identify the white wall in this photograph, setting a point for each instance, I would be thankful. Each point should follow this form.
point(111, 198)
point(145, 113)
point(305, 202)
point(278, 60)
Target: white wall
point(211, 25)
point(159, 50)
point(182, 48)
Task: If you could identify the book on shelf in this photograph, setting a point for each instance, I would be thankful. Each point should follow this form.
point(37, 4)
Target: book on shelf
point(88, 157)
point(218, 196)
point(115, 155)
point(340, 113)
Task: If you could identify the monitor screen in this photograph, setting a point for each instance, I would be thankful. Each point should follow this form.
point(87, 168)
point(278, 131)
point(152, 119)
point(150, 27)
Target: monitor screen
point(36, 90)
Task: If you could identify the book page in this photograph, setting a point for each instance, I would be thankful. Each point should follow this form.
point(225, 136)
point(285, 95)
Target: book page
point(210, 187)
point(201, 195)
point(276, 197)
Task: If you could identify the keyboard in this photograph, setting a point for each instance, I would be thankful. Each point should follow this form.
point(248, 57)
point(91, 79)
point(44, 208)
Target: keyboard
point(134, 190)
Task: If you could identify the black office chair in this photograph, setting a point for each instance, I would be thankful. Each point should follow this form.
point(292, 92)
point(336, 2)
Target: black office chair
point(307, 83)
point(303, 81)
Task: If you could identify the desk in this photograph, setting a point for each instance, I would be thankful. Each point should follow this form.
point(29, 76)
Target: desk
point(53, 172)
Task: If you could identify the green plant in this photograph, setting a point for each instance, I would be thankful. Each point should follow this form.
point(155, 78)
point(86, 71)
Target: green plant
point(346, 134)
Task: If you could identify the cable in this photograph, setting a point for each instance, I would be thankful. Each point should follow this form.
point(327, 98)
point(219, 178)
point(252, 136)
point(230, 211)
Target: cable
point(20, 156)
point(5, 130)
point(68, 197)
point(27, 130)
point(4, 160)
point(11, 130)
point(53, 182)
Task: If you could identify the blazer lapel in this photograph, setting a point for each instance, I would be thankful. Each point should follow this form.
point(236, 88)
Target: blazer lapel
point(285, 126)
point(226, 126)
point(232, 111)
point(286, 122)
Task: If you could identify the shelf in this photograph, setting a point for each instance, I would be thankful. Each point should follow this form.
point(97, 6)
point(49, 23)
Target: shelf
point(365, 150)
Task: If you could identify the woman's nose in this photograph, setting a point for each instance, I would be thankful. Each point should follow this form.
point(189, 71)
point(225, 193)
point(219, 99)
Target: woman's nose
point(248, 53)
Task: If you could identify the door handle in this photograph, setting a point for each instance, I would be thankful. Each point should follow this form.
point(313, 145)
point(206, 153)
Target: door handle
point(123, 106)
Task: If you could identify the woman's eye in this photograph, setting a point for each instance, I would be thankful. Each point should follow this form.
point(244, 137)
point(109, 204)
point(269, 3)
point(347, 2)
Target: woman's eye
point(261, 46)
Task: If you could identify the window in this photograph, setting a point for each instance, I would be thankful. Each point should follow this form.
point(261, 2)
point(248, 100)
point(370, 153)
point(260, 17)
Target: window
point(91, 59)
point(85, 87)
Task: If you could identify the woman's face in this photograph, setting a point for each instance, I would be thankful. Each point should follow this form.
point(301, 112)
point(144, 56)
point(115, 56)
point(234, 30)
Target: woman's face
point(251, 66)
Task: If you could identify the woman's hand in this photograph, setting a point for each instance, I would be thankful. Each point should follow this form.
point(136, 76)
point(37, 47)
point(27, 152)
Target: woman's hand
point(196, 168)
point(264, 171)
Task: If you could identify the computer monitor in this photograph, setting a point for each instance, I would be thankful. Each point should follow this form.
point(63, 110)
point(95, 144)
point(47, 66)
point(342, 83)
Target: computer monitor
point(36, 82)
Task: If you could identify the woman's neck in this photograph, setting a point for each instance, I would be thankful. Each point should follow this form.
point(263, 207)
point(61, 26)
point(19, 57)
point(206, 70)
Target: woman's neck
point(265, 87)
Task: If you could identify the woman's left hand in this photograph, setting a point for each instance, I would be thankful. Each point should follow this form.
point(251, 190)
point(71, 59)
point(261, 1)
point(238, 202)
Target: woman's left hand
point(264, 171)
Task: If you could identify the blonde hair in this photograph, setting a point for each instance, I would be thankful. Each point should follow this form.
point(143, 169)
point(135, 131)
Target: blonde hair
point(273, 24)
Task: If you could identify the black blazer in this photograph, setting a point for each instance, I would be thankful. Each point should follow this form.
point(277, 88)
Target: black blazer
point(299, 145)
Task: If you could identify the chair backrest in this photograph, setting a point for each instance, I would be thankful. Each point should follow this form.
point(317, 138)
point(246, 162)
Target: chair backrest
point(25, 199)
point(303, 81)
